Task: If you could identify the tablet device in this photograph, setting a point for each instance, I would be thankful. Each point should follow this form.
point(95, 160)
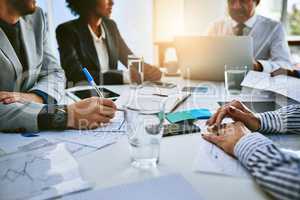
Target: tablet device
point(87, 93)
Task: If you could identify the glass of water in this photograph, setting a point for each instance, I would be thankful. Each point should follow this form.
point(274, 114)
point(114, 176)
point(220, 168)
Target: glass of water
point(144, 135)
point(234, 76)
point(136, 70)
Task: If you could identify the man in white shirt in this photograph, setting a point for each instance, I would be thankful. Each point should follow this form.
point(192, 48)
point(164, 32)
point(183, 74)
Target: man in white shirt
point(271, 49)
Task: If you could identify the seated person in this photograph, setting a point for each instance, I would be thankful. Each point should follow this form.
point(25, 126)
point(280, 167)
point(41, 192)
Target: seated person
point(31, 80)
point(277, 172)
point(94, 41)
point(271, 49)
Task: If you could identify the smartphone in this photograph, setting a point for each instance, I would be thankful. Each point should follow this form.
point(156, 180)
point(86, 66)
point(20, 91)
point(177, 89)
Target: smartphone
point(180, 129)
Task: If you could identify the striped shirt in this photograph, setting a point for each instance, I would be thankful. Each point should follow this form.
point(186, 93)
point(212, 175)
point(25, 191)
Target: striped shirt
point(277, 172)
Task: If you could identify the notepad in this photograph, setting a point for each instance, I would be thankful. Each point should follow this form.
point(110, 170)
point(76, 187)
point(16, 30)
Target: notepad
point(189, 115)
point(172, 187)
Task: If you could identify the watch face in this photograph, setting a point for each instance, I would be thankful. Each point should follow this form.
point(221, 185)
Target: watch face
point(60, 119)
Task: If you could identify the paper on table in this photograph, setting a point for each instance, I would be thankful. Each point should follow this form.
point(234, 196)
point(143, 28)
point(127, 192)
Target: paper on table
point(172, 187)
point(284, 85)
point(44, 173)
point(213, 160)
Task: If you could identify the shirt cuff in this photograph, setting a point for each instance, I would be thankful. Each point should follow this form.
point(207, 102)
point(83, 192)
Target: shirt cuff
point(47, 99)
point(248, 145)
point(270, 122)
point(126, 77)
point(267, 67)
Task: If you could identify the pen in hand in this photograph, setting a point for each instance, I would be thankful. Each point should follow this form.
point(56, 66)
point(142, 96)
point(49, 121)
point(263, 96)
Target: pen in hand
point(92, 82)
point(94, 85)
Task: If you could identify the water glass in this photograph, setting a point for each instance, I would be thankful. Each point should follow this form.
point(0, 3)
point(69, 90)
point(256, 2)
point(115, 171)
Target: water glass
point(144, 135)
point(234, 76)
point(136, 70)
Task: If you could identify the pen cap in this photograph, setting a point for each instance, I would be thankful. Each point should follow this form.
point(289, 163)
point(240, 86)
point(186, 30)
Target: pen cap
point(87, 75)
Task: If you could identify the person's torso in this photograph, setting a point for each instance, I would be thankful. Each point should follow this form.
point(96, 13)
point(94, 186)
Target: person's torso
point(262, 32)
point(14, 76)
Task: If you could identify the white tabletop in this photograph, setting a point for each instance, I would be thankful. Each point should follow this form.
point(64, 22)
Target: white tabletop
point(111, 166)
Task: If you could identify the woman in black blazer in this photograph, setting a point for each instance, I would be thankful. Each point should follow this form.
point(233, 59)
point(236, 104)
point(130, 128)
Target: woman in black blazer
point(77, 47)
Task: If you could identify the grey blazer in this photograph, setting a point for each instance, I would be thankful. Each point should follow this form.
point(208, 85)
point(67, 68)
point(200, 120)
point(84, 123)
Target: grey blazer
point(45, 73)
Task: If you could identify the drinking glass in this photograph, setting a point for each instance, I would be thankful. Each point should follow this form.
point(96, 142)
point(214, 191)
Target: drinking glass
point(136, 70)
point(144, 135)
point(234, 76)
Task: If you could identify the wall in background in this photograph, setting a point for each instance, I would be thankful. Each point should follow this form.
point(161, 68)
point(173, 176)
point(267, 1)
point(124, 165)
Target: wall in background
point(134, 18)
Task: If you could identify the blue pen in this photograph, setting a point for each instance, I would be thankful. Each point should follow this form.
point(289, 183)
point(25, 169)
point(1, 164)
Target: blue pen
point(92, 82)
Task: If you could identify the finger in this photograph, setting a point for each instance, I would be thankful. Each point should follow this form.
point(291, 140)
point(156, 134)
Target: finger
point(5, 95)
point(238, 115)
point(107, 102)
point(212, 120)
point(103, 119)
point(107, 111)
point(224, 113)
point(10, 100)
point(213, 139)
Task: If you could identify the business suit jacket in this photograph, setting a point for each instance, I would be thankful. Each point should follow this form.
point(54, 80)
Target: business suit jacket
point(77, 48)
point(44, 73)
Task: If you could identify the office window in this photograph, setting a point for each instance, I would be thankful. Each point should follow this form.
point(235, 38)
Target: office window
point(293, 12)
point(271, 9)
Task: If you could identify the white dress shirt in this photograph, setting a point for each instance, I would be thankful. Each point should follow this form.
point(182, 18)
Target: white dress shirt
point(101, 49)
point(102, 53)
point(270, 44)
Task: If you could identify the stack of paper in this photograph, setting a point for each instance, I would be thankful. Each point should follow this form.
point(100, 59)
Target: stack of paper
point(44, 173)
point(284, 85)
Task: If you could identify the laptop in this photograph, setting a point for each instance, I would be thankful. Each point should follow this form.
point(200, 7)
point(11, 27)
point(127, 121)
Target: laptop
point(205, 57)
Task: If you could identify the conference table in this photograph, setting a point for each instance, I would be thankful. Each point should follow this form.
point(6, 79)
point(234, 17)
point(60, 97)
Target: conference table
point(110, 166)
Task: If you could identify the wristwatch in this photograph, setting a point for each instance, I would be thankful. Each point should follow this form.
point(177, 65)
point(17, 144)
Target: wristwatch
point(60, 118)
point(53, 117)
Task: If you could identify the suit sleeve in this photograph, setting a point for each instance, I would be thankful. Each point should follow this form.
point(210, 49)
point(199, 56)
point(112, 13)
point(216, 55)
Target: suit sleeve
point(279, 52)
point(51, 79)
point(124, 50)
point(19, 117)
point(70, 60)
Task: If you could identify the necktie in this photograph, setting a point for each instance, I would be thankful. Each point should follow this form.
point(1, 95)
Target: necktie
point(239, 29)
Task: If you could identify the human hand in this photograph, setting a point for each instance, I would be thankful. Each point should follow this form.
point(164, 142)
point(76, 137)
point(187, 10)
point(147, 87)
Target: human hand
point(282, 71)
point(13, 97)
point(257, 66)
point(152, 73)
point(90, 113)
point(228, 136)
point(236, 111)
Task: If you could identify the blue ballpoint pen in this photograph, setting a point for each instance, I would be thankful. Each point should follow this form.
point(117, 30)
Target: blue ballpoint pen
point(92, 82)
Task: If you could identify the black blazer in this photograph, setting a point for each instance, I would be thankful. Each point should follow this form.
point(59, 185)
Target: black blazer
point(76, 47)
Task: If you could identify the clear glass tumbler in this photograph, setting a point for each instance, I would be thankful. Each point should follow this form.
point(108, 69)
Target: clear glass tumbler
point(234, 76)
point(136, 70)
point(144, 136)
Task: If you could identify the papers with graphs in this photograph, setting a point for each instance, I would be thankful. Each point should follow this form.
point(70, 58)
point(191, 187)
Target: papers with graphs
point(44, 173)
point(213, 160)
point(284, 85)
point(79, 143)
